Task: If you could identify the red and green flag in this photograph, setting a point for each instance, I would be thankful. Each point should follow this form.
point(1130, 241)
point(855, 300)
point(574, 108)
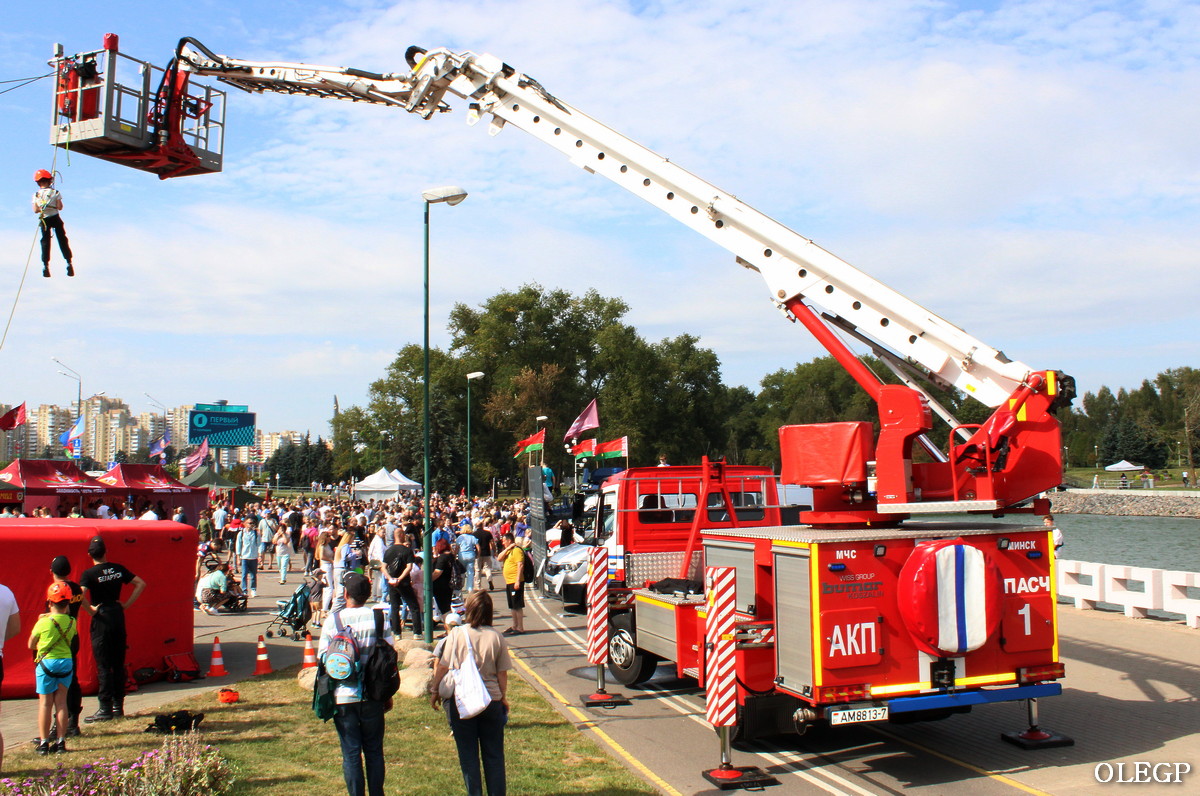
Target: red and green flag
point(584, 449)
point(613, 448)
point(531, 444)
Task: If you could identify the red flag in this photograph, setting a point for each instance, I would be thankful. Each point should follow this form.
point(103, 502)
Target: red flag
point(12, 418)
point(531, 444)
point(588, 420)
point(584, 449)
point(192, 462)
point(613, 448)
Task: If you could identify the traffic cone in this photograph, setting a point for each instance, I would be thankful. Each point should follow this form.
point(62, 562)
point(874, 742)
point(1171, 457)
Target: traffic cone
point(310, 654)
point(263, 664)
point(217, 669)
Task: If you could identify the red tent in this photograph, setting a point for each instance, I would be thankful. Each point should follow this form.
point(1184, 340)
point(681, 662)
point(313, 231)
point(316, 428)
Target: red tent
point(54, 483)
point(160, 622)
point(152, 482)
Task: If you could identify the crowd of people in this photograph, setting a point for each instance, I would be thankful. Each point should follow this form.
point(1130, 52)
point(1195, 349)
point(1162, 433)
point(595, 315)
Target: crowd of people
point(353, 554)
point(356, 558)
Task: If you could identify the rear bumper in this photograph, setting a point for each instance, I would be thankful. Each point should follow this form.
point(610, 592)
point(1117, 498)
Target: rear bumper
point(966, 698)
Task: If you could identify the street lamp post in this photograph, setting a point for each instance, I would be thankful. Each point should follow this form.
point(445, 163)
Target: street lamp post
point(540, 419)
point(451, 195)
point(163, 407)
point(382, 436)
point(478, 374)
point(74, 374)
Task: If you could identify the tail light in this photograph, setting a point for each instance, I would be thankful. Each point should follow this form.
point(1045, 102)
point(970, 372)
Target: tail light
point(843, 693)
point(1037, 674)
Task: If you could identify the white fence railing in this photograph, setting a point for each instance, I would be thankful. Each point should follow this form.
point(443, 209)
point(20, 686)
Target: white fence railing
point(1136, 590)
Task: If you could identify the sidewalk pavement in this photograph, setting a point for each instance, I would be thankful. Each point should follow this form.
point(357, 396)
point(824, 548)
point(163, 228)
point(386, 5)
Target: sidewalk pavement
point(239, 645)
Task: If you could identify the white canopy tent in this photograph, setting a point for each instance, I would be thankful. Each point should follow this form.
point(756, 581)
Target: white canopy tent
point(406, 483)
point(1123, 466)
point(381, 485)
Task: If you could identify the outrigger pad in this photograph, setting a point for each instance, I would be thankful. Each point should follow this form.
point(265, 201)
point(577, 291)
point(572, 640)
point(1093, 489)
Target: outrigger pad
point(1037, 738)
point(739, 777)
point(603, 699)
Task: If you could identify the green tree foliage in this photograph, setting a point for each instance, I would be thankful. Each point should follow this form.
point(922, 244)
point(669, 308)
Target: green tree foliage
point(299, 464)
point(549, 352)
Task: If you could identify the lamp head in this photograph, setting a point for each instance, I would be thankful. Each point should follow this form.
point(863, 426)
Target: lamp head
point(449, 194)
point(475, 375)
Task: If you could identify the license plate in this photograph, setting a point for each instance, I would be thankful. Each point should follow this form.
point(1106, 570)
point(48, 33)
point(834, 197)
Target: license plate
point(856, 715)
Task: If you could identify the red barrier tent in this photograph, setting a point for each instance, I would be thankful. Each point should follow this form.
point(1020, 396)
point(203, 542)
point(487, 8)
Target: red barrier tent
point(152, 482)
point(160, 623)
point(53, 483)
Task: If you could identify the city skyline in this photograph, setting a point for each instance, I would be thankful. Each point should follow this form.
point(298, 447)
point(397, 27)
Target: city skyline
point(111, 427)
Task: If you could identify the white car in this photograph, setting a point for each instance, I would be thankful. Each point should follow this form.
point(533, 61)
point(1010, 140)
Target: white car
point(567, 572)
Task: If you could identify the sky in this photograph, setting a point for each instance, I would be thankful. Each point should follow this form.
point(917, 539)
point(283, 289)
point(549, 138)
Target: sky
point(1029, 171)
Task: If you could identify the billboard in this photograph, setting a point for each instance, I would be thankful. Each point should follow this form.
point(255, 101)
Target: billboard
point(223, 429)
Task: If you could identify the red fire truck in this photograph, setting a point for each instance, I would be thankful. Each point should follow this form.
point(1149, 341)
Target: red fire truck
point(870, 609)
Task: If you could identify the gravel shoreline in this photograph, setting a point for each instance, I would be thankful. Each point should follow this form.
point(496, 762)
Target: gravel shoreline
point(1126, 503)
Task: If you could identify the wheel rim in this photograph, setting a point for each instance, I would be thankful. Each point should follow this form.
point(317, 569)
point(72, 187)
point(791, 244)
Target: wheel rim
point(621, 649)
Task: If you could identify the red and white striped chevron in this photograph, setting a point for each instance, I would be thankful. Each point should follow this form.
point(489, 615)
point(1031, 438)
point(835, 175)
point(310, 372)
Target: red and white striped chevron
point(597, 599)
point(720, 679)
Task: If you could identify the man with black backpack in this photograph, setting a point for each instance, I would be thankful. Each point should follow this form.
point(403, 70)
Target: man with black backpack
point(347, 656)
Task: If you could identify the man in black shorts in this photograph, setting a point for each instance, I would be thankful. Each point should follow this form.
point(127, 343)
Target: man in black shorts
point(103, 583)
point(397, 567)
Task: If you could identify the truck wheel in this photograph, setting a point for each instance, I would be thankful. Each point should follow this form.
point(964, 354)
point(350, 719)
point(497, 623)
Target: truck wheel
point(628, 664)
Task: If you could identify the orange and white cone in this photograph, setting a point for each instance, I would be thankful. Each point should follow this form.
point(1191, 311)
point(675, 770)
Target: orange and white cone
point(217, 669)
point(310, 654)
point(263, 664)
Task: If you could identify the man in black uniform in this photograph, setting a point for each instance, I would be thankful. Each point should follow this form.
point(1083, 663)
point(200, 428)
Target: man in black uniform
point(103, 583)
point(60, 568)
point(397, 567)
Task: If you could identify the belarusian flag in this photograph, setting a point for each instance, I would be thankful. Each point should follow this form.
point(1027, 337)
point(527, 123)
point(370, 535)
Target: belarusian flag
point(613, 448)
point(531, 444)
point(584, 449)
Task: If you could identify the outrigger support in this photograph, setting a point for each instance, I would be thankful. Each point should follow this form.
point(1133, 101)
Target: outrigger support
point(1035, 737)
point(727, 776)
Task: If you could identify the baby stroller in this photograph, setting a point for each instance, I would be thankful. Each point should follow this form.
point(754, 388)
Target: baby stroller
point(293, 614)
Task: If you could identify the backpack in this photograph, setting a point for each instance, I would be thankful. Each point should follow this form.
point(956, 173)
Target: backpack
point(527, 571)
point(341, 656)
point(352, 561)
point(458, 574)
point(381, 672)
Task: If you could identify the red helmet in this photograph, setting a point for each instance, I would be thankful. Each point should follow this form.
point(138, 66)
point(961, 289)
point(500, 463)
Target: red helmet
point(42, 174)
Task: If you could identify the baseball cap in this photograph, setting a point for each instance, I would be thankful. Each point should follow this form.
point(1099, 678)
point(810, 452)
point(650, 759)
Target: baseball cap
point(58, 592)
point(61, 566)
point(357, 586)
point(97, 548)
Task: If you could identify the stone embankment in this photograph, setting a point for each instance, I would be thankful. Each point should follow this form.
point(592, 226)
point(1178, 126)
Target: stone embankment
point(1142, 504)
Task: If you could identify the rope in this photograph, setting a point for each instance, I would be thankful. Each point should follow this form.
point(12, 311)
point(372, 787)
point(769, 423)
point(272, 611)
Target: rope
point(29, 257)
point(23, 81)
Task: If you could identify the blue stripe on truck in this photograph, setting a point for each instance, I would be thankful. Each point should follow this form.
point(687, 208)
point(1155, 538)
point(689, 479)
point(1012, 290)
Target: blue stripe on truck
point(963, 698)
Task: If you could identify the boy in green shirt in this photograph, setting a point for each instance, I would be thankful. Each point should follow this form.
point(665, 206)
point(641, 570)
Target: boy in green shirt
point(50, 642)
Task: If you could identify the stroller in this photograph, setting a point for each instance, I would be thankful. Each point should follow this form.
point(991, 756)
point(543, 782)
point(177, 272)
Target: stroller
point(293, 614)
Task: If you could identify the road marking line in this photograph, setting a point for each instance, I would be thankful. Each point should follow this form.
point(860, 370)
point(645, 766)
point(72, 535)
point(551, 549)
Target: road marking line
point(588, 723)
point(969, 766)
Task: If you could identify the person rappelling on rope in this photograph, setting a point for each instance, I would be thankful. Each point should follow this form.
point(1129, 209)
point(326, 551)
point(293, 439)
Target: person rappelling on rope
point(47, 203)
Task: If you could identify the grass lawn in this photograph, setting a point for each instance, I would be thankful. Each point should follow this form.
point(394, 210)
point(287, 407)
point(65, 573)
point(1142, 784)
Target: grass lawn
point(279, 747)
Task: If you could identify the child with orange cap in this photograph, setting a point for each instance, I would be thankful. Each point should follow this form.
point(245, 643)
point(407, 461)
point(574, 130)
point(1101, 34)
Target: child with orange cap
point(47, 203)
point(50, 642)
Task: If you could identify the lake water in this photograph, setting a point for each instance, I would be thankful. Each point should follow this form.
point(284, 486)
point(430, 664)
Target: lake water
point(1155, 542)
